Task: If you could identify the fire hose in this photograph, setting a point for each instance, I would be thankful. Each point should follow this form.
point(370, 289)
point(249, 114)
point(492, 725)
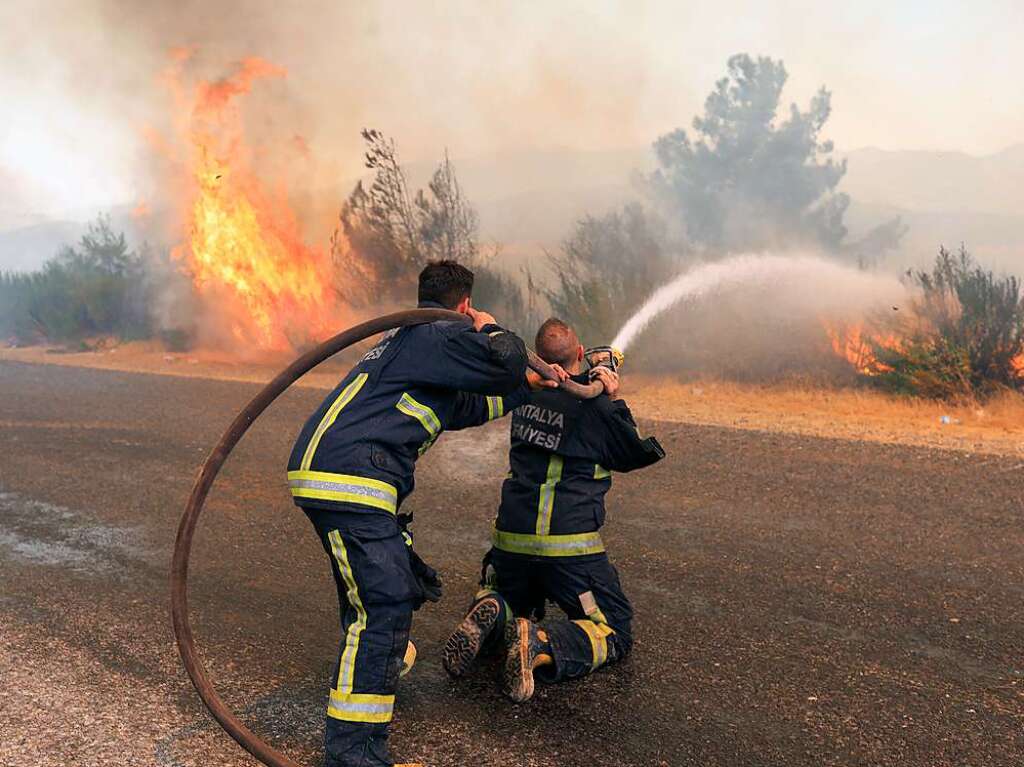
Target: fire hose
point(231, 724)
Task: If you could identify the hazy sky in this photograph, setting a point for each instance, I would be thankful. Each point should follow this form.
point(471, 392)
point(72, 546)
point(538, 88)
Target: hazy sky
point(78, 79)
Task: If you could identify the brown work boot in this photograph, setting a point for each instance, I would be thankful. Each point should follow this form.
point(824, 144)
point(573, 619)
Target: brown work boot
point(463, 646)
point(528, 648)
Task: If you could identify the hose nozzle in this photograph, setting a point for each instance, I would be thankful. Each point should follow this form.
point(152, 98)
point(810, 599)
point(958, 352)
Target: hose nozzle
point(604, 356)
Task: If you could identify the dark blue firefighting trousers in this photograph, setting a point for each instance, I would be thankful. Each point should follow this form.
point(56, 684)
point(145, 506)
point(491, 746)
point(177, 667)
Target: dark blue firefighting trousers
point(377, 593)
point(598, 630)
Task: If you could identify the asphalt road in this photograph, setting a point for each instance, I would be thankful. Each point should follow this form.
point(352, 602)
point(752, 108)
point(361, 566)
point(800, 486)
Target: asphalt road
point(799, 601)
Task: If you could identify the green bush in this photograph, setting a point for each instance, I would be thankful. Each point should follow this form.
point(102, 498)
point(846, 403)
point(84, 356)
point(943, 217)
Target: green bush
point(968, 334)
point(605, 271)
point(96, 288)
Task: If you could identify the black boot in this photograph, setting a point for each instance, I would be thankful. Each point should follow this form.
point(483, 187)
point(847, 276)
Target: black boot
point(463, 646)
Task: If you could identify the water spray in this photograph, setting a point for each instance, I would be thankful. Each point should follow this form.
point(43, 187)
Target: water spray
point(708, 278)
point(227, 719)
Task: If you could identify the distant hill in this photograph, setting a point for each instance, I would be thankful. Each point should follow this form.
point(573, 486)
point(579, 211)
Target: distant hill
point(25, 248)
point(939, 181)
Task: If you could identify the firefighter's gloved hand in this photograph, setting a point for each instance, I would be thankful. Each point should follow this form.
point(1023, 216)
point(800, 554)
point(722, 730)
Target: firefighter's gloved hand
point(429, 580)
point(426, 576)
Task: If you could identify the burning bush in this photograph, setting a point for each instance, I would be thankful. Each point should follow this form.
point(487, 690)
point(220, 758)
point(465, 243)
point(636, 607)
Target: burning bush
point(966, 336)
point(99, 287)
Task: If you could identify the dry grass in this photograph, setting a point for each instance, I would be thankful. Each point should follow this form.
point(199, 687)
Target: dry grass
point(849, 413)
point(797, 408)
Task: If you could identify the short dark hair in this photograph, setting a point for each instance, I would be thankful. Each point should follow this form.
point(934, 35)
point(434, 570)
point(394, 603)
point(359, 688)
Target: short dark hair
point(556, 343)
point(445, 282)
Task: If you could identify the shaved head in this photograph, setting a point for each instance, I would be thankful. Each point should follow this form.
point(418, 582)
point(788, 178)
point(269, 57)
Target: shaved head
point(557, 343)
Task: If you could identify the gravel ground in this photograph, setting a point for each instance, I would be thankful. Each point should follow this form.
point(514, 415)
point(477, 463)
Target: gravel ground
point(800, 601)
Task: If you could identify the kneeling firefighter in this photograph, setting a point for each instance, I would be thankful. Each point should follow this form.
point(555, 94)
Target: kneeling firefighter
point(546, 544)
point(351, 468)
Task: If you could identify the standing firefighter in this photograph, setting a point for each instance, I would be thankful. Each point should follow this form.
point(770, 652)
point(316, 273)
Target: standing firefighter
point(352, 467)
point(546, 542)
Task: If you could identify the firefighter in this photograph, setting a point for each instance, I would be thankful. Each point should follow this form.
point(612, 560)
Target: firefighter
point(351, 468)
point(546, 543)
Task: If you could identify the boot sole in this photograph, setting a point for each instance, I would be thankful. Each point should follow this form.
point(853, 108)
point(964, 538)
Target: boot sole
point(463, 646)
point(518, 676)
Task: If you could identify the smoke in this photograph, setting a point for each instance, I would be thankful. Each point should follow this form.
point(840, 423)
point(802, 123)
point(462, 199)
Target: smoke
point(759, 316)
point(587, 76)
point(749, 178)
point(79, 75)
point(426, 75)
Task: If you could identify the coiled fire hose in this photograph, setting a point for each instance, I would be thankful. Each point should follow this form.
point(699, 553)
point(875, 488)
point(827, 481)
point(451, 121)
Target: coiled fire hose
point(245, 737)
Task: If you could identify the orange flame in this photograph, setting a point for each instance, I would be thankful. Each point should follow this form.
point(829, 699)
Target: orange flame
point(244, 248)
point(855, 344)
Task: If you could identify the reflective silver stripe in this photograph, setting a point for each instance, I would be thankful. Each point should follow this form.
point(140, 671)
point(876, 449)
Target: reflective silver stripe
point(341, 487)
point(549, 545)
point(367, 708)
point(495, 408)
point(347, 663)
point(345, 488)
point(546, 502)
point(428, 419)
point(421, 413)
point(358, 707)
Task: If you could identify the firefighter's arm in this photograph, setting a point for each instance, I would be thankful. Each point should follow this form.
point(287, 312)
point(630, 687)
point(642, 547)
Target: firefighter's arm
point(476, 409)
point(489, 361)
point(617, 440)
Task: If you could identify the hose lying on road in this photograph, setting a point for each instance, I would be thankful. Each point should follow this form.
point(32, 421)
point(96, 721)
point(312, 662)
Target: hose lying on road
point(245, 737)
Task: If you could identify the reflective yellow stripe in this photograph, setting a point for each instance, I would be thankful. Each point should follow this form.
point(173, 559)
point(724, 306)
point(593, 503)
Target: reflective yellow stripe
point(495, 408)
point(549, 545)
point(346, 396)
point(347, 665)
point(598, 634)
point(422, 413)
point(348, 488)
point(361, 707)
point(546, 502)
point(600, 472)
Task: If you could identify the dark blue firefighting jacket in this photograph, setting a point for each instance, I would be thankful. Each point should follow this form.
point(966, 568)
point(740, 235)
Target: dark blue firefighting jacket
point(360, 446)
point(562, 455)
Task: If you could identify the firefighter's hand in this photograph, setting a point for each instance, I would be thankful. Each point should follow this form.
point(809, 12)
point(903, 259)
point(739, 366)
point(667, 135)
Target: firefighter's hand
point(480, 318)
point(536, 381)
point(609, 378)
point(426, 576)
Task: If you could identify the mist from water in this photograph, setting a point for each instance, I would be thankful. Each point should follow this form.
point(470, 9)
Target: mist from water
point(818, 283)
